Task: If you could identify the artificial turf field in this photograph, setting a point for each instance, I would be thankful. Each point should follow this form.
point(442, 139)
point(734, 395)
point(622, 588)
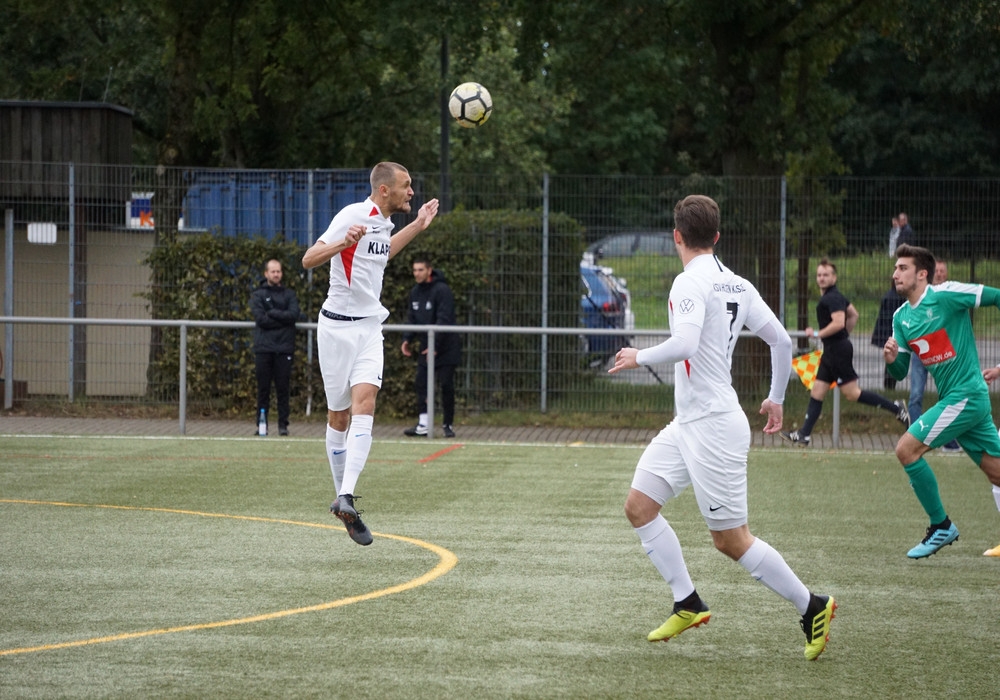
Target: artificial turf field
point(211, 568)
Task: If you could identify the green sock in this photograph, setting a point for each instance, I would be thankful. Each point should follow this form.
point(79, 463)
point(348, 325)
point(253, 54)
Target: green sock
point(925, 485)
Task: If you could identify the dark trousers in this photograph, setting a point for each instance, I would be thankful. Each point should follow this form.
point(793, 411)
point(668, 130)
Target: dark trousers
point(445, 378)
point(274, 367)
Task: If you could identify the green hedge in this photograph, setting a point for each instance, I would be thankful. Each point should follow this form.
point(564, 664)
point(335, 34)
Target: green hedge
point(493, 262)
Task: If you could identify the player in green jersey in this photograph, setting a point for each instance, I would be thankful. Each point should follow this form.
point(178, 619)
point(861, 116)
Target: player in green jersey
point(935, 324)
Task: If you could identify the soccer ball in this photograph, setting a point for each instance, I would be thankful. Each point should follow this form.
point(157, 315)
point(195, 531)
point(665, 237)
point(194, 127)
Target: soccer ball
point(470, 104)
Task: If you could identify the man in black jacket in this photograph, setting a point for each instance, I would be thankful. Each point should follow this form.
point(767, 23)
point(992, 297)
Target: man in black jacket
point(432, 304)
point(275, 310)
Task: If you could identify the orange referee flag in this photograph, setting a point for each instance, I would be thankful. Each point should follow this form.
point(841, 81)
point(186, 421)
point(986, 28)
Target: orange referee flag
point(806, 365)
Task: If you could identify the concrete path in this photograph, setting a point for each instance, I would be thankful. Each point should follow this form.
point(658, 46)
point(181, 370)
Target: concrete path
point(32, 425)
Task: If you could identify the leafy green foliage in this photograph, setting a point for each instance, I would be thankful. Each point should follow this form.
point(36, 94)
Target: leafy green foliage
point(210, 278)
point(650, 88)
point(493, 263)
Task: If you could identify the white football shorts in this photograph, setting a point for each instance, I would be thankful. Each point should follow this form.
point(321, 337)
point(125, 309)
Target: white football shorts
point(350, 353)
point(709, 454)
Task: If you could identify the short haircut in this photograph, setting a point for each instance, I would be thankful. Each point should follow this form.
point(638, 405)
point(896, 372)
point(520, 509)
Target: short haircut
point(825, 262)
point(923, 259)
point(384, 174)
point(697, 218)
point(272, 260)
point(423, 260)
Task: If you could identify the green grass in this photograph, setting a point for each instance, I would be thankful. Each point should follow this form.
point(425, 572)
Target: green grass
point(551, 595)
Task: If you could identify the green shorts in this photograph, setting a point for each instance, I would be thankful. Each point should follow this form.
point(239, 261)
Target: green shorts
point(969, 421)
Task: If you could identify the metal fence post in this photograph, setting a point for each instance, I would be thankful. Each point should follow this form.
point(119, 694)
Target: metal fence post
point(783, 224)
point(8, 310)
point(544, 367)
point(72, 281)
point(430, 382)
point(182, 380)
point(836, 417)
point(309, 276)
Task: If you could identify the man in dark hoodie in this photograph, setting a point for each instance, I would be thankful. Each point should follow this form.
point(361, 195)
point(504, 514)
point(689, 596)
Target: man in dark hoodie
point(275, 310)
point(432, 304)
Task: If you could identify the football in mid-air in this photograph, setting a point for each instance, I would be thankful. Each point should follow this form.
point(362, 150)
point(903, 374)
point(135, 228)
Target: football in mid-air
point(470, 104)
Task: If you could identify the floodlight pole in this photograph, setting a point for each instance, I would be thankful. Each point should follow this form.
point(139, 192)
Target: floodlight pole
point(444, 196)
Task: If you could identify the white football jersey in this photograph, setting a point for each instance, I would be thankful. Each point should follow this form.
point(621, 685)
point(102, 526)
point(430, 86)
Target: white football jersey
point(356, 273)
point(709, 295)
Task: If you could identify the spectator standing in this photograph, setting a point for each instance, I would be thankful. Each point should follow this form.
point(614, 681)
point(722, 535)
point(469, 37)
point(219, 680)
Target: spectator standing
point(836, 316)
point(899, 234)
point(275, 310)
point(432, 304)
point(935, 324)
point(918, 373)
point(906, 235)
point(358, 245)
point(706, 444)
point(893, 237)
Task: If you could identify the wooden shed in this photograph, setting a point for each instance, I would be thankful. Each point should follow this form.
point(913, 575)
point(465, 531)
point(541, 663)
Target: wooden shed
point(37, 139)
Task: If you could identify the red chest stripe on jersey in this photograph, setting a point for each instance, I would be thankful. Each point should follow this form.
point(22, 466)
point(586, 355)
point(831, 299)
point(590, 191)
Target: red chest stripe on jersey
point(687, 367)
point(933, 348)
point(347, 258)
point(374, 212)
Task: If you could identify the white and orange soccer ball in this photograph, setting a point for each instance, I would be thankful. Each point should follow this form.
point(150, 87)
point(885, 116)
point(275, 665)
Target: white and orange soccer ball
point(470, 104)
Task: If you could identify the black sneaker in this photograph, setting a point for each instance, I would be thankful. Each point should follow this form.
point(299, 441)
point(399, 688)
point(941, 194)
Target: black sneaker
point(794, 437)
point(344, 509)
point(902, 413)
point(448, 432)
point(416, 431)
point(283, 432)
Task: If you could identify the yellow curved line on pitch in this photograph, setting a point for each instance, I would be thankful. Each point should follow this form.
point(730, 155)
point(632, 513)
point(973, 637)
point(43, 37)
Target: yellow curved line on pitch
point(447, 562)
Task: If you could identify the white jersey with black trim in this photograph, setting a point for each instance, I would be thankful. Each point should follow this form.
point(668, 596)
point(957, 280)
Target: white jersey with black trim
point(712, 297)
point(356, 273)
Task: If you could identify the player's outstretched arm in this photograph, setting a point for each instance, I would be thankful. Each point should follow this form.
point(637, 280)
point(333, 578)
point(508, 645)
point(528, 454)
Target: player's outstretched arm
point(681, 345)
point(425, 216)
point(320, 252)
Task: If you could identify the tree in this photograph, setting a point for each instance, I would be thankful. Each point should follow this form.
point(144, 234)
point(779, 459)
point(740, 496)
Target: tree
point(924, 94)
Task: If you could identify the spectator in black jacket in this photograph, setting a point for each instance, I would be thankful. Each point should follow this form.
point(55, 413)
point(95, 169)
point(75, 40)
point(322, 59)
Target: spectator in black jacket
point(275, 310)
point(432, 304)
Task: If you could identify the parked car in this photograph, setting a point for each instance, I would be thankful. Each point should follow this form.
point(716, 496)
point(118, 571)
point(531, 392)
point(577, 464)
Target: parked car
point(625, 245)
point(605, 302)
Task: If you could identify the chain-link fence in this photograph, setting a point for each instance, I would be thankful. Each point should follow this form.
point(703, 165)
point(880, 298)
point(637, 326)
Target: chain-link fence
point(593, 254)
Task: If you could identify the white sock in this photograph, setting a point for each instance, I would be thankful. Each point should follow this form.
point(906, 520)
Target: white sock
point(767, 566)
point(996, 496)
point(359, 444)
point(336, 452)
point(664, 550)
point(422, 420)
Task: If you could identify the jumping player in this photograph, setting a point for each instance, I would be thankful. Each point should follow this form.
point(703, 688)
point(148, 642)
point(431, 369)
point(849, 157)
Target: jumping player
point(357, 244)
point(707, 443)
point(935, 324)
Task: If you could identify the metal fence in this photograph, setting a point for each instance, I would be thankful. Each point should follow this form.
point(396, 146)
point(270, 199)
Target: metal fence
point(76, 237)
